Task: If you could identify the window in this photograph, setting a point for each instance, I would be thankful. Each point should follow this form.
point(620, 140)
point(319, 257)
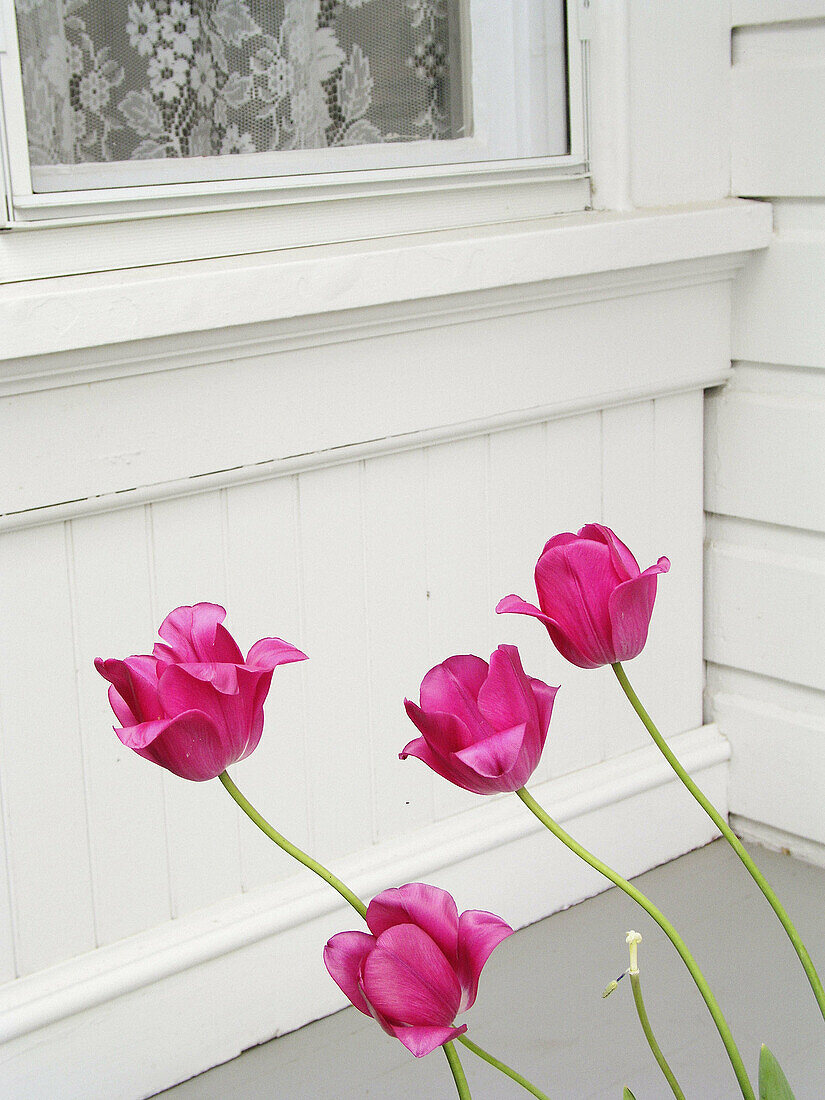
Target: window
point(146, 102)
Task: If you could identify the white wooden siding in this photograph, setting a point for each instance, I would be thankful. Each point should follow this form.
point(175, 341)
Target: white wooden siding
point(765, 596)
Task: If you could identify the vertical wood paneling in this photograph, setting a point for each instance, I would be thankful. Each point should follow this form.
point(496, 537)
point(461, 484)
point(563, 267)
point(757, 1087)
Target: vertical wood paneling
point(202, 821)
point(336, 701)
point(264, 581)
point(397, 635)
point(127, 821)
point(627, 507)
point(7, 963)
point(462, 603)
point(518, 530)
point(42, 760)
point(573, 473)
point(674, 692)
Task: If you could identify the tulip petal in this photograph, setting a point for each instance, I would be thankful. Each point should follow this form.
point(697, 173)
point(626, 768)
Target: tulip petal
point(195, 634)
point(574, 583)
point(222, 677)
point(516, 605)
point(505, 698)
point(445, 732)
point(453, 686)
point(408, 979)
point(479, 934)
point(496, 756)
point(630, 607)
point(238, 722)
point(433, 910)
point(623, 561)
point(268, 653)
point(344, 957)
point(421, 1040)
point(559, 540)
point(136, 682)
point(450, 768)
point(545, 696)
point(187, 745)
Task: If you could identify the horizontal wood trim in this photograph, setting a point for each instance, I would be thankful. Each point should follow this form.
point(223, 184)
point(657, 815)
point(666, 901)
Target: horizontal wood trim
point(606, 804)
point(335, 456)
point(83, 311)
point(128, 433)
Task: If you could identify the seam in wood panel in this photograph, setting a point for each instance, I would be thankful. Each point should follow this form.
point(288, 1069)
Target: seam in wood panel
point(71, 581)
point(300, 573)
point(152, 588)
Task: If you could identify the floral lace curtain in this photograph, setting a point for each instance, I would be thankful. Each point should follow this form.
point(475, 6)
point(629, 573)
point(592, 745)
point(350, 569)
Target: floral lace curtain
point(115, 80)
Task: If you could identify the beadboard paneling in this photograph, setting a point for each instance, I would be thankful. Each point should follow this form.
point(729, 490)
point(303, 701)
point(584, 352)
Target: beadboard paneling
point(44, 798)
point(378, 569)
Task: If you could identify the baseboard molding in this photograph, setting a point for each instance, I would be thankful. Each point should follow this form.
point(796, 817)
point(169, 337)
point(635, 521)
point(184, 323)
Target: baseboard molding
point(779, 840)
point(129, 1020)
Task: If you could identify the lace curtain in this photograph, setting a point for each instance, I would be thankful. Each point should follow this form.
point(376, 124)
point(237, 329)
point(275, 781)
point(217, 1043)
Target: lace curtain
point(115, 80)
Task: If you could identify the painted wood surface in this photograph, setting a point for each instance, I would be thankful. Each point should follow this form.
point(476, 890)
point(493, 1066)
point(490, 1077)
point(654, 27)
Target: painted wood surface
point(377, 569)
point(765, 554)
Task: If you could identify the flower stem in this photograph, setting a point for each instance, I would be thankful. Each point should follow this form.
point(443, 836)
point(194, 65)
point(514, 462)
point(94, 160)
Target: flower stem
point(729, 835)
point(668, 929)
point(291, 849)
point(458, 1072)
point(651, 1038)
point(505, 1069)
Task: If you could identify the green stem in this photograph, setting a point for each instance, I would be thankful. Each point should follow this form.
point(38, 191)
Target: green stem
point(505, 1069)
point(664, 924)
point(651, 1038)
point(729, 835)
point(291, 849)
point(458, 1072)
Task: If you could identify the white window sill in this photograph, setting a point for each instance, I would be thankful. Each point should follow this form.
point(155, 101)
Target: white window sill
point(48, 316)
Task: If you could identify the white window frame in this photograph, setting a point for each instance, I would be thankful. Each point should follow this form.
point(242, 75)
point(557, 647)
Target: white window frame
point(25, 208)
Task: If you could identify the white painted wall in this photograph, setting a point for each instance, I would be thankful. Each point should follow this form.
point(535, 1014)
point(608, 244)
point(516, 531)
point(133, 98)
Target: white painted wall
point(360, 448)
point(765, 602)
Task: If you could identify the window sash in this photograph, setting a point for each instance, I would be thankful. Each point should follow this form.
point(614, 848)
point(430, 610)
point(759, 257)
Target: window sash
point(101, 190)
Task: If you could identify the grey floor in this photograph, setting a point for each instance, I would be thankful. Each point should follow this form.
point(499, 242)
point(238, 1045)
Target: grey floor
point(540, 1006)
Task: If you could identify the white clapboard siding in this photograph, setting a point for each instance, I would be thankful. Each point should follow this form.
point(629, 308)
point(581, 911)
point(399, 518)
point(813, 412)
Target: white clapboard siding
point(765, 556)
point(778, 84)
point(764, 458)
point(778, 730)
point(765, 599)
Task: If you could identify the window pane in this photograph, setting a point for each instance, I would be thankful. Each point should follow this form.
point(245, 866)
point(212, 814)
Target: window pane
point(116, 80)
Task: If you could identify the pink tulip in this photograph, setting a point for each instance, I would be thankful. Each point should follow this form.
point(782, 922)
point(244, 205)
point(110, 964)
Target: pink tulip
point(483, 726)
point(593, 598)
point(194, 706)
point(420, 967)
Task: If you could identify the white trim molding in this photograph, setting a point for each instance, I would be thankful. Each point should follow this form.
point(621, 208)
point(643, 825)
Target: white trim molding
point(267, 943)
